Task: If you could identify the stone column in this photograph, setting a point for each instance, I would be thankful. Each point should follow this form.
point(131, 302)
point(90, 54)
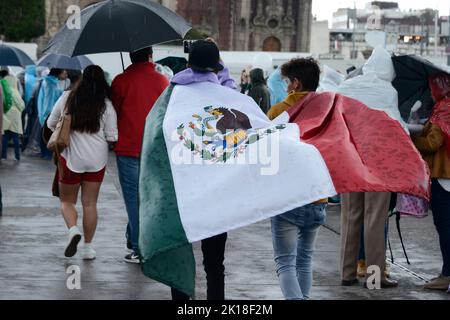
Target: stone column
point(304, 25)
point(246, 13)
point(171, 4)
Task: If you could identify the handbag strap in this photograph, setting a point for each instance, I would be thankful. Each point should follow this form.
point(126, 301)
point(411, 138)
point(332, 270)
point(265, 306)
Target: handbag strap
point(58, 162)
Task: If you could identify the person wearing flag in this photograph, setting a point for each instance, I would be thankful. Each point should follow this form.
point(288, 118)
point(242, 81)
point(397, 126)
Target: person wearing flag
point(294, 232)
point(204, 60)
point(212, 162)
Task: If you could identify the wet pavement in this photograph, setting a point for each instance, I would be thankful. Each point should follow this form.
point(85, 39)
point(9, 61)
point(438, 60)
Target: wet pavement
point(33, 236)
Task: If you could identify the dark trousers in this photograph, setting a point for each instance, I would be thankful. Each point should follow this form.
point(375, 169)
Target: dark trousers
point(213, 250)
point(8, 136)
point(45, 153)
point(440, 205)
point(362, 251)
point(1, 203)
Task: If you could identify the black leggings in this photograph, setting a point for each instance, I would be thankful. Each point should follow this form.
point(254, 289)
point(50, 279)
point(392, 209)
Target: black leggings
point(213, 256)
point(440, 205)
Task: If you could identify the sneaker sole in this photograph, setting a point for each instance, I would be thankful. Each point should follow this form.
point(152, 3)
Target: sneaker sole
point(132, 261)
point(71, 249)
point(89, 258)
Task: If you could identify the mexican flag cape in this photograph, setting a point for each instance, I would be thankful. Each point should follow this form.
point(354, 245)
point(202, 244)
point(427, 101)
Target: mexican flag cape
point(212, 162)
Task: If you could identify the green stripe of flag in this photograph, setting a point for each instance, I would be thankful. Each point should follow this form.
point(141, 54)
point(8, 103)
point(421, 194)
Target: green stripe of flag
point(167, 255)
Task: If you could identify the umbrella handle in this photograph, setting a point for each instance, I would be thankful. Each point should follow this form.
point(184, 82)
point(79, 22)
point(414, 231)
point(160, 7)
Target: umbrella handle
point(121, 58)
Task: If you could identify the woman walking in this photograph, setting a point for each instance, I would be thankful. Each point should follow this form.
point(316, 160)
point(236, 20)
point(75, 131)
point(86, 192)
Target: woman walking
point(83, 163)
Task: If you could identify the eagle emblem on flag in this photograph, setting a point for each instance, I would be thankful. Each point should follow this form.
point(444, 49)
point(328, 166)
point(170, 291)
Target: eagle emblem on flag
point(221, 133)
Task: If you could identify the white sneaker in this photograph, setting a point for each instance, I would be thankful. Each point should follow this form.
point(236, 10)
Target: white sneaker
point(88, 253)
point(74, 239)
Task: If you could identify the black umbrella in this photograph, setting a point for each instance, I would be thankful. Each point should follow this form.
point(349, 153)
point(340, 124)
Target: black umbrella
point(11, 56)
point(59, 61)
point(119, 26)
point(411, 83)
point(176, 64)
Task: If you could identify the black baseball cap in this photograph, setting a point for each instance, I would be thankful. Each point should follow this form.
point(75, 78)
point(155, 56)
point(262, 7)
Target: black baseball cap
point(204, 56)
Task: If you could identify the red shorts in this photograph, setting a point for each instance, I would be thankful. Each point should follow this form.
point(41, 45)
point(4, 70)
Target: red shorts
point(70, 177)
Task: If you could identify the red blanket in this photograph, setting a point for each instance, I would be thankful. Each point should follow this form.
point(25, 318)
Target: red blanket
point(365, 150)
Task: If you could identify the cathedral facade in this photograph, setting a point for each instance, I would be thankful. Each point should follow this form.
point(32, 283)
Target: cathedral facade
point(237, 25)
point(250, 25)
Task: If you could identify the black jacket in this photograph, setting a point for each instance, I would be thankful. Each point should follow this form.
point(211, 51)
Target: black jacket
point(259, 91)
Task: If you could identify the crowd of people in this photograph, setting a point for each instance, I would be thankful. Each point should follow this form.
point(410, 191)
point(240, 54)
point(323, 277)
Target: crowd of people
point(104, 117)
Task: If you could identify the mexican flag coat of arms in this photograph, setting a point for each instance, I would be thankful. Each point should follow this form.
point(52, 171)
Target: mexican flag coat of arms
point(213, 162)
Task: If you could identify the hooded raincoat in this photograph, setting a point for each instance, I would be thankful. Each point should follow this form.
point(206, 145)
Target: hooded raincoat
point(259, 91)
point(277, 87)
point(30, 82)
point(48, 95)
point(12, 120)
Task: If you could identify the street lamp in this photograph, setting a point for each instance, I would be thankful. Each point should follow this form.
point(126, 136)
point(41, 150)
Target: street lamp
point(422, 23)
point(354, 53)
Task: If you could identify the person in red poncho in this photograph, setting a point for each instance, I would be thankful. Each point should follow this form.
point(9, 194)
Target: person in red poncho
point(434, 144)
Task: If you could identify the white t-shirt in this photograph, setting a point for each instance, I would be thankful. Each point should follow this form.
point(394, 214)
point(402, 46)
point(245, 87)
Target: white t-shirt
point(87, 152)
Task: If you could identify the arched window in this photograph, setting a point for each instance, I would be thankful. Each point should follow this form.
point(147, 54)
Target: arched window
point(272, 44)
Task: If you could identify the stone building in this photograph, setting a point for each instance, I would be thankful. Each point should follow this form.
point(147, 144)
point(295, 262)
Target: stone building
point(237, 25)
point(55, 17)
point(241, 25)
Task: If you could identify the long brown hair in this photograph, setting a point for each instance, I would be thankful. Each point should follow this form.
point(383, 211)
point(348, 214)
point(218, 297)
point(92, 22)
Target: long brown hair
point(86, 103)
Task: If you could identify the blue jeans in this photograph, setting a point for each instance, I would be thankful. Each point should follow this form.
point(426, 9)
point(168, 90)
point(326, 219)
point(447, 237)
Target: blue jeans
point(440, 205)
point(45, 153)
point(7, 136)
point(128, 168)
point(293, 235)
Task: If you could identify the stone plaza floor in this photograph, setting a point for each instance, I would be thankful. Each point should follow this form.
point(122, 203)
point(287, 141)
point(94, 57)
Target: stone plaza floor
point(33, 236)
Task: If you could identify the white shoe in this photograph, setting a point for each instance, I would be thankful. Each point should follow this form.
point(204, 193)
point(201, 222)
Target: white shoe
point(88, 253)
point(74, 239)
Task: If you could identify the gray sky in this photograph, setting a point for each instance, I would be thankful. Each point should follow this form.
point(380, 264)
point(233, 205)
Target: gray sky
point(324, 9)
